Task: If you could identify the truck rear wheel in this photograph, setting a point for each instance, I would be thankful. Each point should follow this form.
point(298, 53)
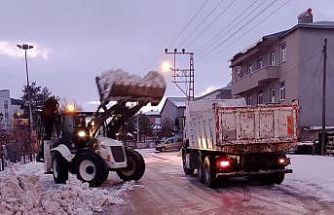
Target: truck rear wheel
point(90, 168)
point(200, 169)
point(209, 176)
point(59, 169)
point(135, 166)
point(278, 179)
point(272, 179)
point(187, 171)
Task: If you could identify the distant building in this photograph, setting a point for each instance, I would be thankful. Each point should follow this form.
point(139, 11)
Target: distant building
point(173, 110)
point(221, 93)
point(287, 65)
point(174, 107)
point(155, 120)
point(8, 107)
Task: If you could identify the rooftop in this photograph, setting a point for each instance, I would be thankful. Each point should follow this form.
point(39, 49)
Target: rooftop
point(178, 101)
point(281, 34)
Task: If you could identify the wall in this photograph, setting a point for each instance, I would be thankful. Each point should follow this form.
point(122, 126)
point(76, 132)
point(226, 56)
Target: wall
point(310, 73)
point(5, 104)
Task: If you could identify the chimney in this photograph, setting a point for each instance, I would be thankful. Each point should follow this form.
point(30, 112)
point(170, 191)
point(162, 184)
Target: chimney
point(305, 17)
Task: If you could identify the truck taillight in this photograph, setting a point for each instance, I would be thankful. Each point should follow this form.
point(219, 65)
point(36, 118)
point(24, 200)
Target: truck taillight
point(284, 161)
point(223, 163)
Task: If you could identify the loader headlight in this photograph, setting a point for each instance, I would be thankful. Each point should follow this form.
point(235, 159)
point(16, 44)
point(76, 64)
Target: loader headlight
point(82, 134)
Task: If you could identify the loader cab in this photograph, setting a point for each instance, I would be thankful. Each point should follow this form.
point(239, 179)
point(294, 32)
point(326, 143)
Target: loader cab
point(75, 131)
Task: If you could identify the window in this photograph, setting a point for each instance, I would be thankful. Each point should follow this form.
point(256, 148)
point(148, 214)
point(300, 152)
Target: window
point(273, 57)
point(6, 104)
point(272, 96)
point(249, 100)
point(260, 62)
point(283, 52)
point(282, 90)
point(238, 72)
point(260, 97)
point(250, 68)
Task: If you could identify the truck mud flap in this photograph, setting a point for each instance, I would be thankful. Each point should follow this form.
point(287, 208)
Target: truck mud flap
point(262, 172)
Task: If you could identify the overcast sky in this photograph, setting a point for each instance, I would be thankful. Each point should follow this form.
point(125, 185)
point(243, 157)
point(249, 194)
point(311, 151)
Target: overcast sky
point(76, 40)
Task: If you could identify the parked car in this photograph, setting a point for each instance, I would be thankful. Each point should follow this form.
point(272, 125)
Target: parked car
point(170, 144)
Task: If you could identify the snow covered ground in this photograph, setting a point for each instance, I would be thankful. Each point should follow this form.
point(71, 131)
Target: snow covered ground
point(312, 175)
point(25, 189)
point(308, 190)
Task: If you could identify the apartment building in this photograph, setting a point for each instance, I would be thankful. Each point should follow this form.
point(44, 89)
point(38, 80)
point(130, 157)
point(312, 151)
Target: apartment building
point(287, 65)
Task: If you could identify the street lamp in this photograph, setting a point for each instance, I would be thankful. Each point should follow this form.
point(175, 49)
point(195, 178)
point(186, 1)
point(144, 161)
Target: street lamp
point(26, 47)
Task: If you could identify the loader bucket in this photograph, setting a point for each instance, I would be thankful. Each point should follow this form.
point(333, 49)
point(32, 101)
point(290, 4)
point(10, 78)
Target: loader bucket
point(114, 85)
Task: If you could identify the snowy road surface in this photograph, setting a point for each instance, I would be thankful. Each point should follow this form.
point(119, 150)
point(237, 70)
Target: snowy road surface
point(164, 189)
point(309, 190)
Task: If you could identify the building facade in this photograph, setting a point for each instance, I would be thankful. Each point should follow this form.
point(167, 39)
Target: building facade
point(288, 65)
point(173, 110)
point(155, 120)
point(8, 107)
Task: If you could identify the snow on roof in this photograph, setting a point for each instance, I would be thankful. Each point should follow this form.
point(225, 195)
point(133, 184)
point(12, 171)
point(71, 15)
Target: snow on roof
point(178, 101)
point(152, 113)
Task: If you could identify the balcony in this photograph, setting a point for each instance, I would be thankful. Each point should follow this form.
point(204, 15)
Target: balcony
point(255, 79)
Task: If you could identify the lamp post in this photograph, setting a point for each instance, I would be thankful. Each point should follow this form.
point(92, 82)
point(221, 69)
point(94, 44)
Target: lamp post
point(26, 47)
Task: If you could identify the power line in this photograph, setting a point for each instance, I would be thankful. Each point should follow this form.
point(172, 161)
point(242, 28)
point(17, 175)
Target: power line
point(210, 24)
point(218, 34)
point(257, 24)
point(186, 26)
point(240, 28)
point(203, 21)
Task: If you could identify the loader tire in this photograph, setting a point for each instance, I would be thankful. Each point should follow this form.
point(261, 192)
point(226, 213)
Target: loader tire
point(91, 168)
point(135, 166)
point(60, 168)
point(187, 171)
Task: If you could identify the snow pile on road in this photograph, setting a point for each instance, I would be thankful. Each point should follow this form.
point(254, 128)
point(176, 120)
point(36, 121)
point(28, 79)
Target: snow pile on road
point(32, 194)
point(108, 80)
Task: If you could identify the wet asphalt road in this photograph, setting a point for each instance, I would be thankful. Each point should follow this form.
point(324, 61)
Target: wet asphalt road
point(164, 189)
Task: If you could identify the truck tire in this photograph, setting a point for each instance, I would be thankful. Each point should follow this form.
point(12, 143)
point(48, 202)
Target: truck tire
point(200, 169)
point(278, 179)
point(91, 168)
point(60, 168)
point(135, 166)
point(272, 179)
point(187, 171)
point(209, 175)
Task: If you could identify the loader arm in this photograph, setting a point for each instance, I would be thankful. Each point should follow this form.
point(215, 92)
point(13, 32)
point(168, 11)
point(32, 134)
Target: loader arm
point(118, 114)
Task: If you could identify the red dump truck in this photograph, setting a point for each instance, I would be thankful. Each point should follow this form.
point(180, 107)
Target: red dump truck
point(226, 138)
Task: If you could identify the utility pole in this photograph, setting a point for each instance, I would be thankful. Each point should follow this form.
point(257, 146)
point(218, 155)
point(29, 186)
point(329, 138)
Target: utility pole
point(184, 76)
point(323, 128)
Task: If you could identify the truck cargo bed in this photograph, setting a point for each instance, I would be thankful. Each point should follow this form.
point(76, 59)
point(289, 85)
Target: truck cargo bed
point(242, 129)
